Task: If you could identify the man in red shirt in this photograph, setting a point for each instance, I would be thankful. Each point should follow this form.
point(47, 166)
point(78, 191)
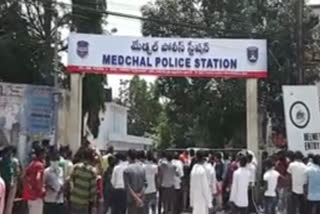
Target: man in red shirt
point(284, 183)
point(34, 183)
point(184, 157)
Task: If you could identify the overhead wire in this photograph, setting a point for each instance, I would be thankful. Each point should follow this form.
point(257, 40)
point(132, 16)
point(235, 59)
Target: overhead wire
point(140, 18)
point(155, 20)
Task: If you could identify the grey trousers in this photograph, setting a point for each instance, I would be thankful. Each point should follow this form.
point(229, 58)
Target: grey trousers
point(78, 210)
point(134, 209)
point(168, 198)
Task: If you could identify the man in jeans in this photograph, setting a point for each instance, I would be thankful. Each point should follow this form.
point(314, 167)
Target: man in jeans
point(297, 169)
point(284, 182)
point(167, 173)
point(151, 170)
point(271, 178)
point(313, 186)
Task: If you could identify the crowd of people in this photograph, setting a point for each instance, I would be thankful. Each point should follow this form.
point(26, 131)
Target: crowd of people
point(143, 182)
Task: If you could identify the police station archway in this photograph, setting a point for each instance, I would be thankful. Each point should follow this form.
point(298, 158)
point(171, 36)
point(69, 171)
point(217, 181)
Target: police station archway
point(175, 57)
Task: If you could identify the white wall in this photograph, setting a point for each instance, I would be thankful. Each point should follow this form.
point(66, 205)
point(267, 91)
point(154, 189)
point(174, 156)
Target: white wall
point(112, 120)
point(316, 9)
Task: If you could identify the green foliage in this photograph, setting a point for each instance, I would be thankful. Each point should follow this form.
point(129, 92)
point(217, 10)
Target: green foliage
point(15, 63)
point(86, 17)
point(163, 132)
point(211, 112)
point(27, 36)
point(144, 107)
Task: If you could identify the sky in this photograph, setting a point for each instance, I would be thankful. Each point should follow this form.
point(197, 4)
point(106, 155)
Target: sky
point(125, 27)
point(130, 27)
point(313, 1)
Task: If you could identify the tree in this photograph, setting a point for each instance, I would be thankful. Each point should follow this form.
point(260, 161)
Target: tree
point(87, 18)
point(163, 132)
point(211, 112)
point(144, 107)
point(15, 46)
point(27, 35)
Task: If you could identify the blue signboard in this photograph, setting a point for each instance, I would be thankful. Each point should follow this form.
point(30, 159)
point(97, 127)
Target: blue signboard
point(39, 109)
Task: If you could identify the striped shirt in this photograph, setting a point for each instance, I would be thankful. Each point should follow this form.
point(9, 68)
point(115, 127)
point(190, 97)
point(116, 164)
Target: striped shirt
point(84, 189)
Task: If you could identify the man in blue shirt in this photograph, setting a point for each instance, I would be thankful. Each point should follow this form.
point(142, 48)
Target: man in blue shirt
point(313, 184)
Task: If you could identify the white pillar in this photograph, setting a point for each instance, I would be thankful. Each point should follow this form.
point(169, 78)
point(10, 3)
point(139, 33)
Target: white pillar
point(252, 115)
point(75, 112)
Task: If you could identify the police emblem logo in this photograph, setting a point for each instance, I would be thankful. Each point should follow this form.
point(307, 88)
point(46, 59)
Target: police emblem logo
point(252, 54)
point(82, 48)
point(300, 114)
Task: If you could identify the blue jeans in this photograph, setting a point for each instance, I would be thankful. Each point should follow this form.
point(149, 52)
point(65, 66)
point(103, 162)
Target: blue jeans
point(284, 199)
point(150, 201)
point(270, 205)
point(297, 202)
point(313, 207)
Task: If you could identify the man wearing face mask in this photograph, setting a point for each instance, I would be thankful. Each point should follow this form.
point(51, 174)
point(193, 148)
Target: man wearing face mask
point(33, 182)
point(54, 183)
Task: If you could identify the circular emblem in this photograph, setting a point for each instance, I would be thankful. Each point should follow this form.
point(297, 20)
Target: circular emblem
point(299, 114)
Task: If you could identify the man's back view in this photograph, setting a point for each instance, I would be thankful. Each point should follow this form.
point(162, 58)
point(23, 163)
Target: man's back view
point(84, 180)
point(239, 188)
point(135, 183)
point(167, 174)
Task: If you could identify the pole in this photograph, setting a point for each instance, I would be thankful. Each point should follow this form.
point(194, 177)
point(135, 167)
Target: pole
point(300, 45)
point(55, 55)
point(252, 124)
point(252, 115)
point(75, 112)
point(56, 84)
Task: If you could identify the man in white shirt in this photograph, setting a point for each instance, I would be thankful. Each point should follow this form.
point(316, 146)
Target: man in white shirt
point(253, 170)
point(271, 177)
point(54, 183)
point(240, 186)
point(177, 183)
point(212, 179)
point(119, 199)
point(200, 195)
point(150, 198)
point(167, 173)
point(297, 170)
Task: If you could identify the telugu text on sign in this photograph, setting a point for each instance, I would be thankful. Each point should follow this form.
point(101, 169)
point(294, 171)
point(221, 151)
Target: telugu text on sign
point(246, 58)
